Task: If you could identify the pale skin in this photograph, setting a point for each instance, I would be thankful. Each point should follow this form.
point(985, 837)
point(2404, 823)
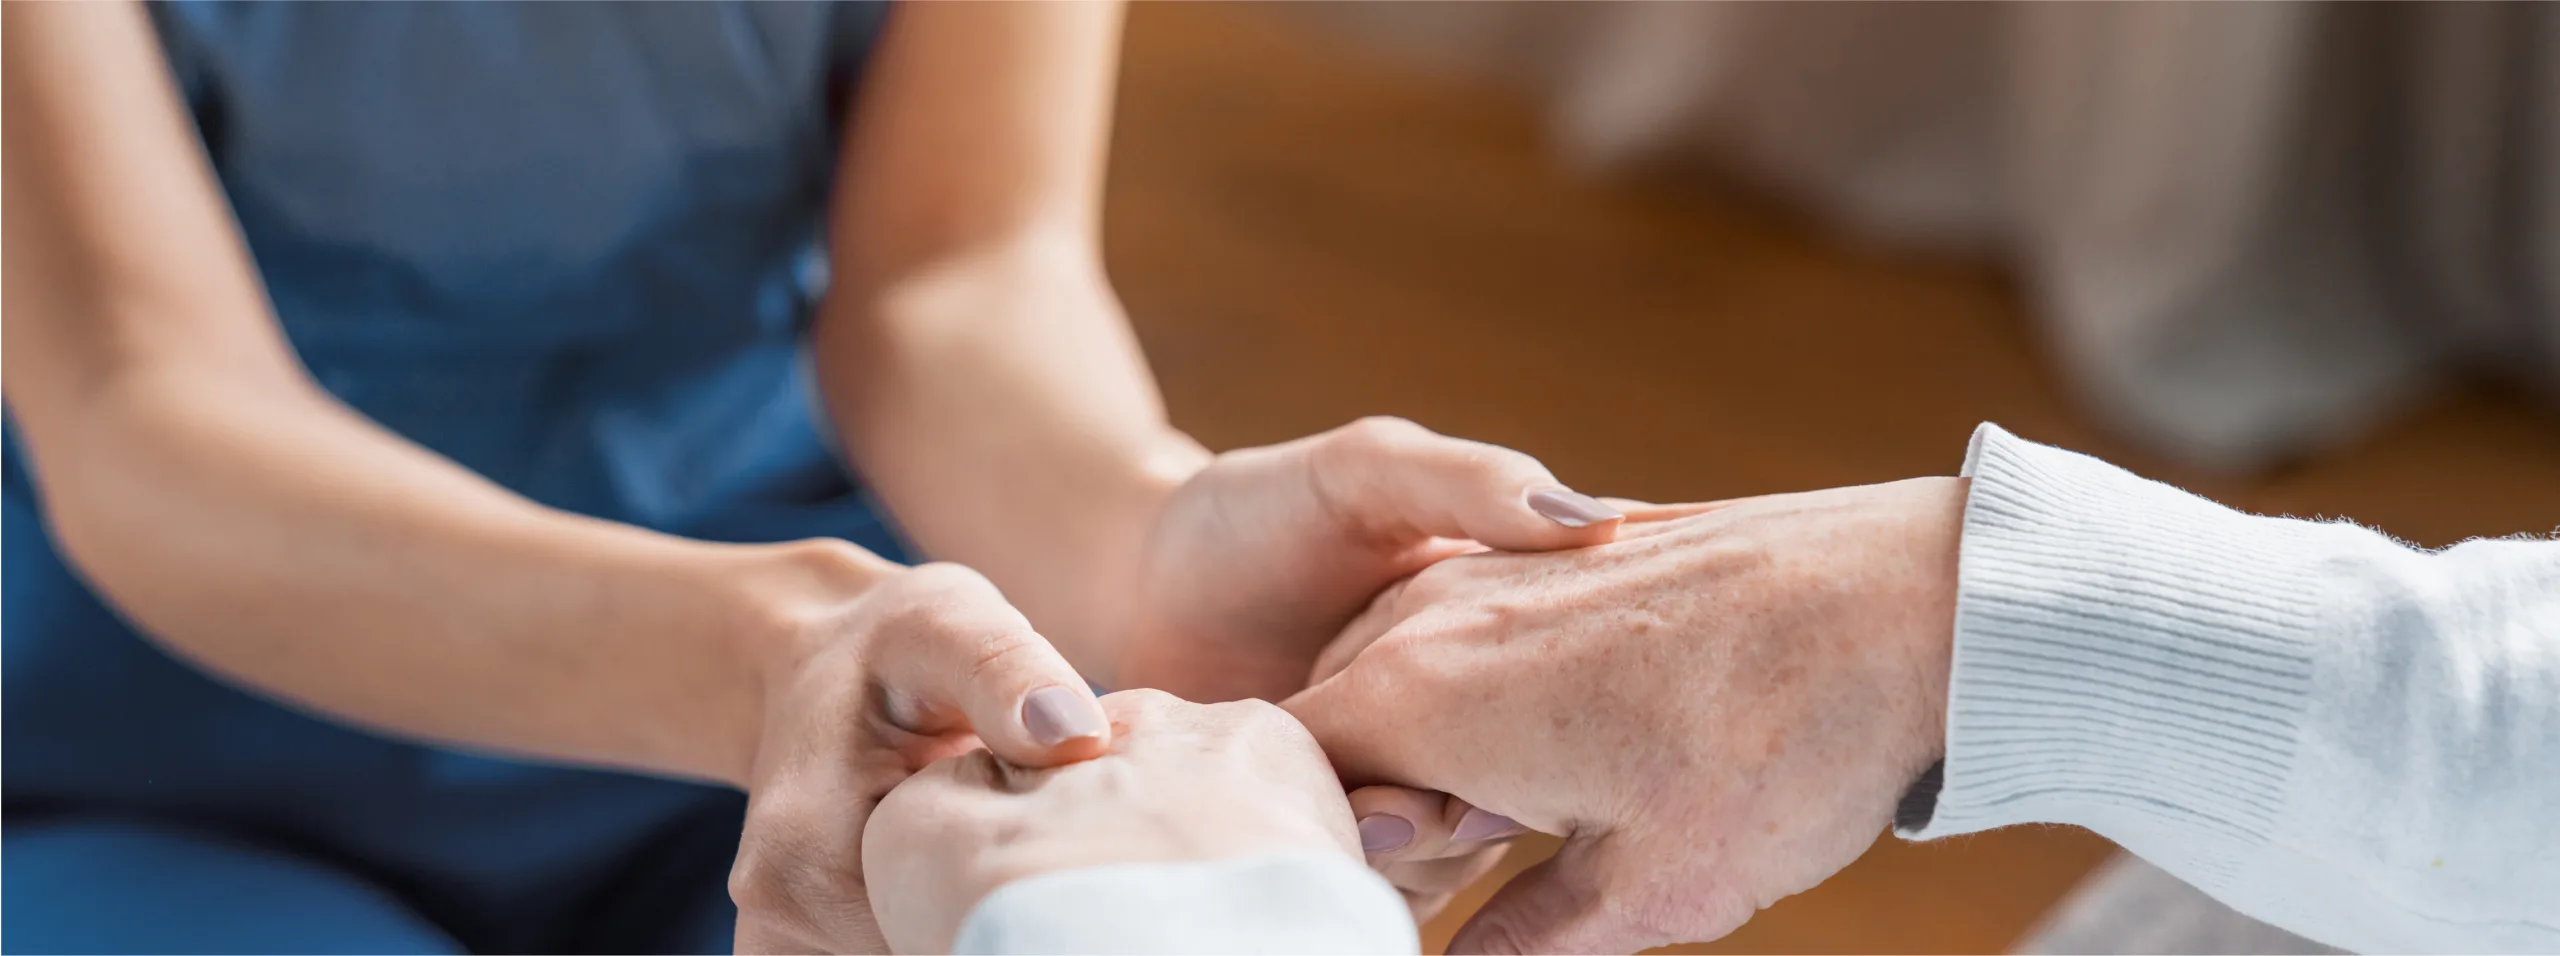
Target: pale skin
point(971, 349)
point(1718, 710)
point(1183, 781)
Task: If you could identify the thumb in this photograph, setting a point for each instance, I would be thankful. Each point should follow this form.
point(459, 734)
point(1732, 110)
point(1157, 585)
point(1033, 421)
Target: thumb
point(951, 646)
point(1402, 481)
point(1559, 906)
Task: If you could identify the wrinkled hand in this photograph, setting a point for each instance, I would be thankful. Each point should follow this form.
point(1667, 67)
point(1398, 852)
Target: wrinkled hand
point(1718, 710)
point(928, 663)
point(1258, 561)
point(1183, 781)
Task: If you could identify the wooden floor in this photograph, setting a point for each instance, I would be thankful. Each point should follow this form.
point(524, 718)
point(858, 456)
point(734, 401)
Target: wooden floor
point(1306, 232)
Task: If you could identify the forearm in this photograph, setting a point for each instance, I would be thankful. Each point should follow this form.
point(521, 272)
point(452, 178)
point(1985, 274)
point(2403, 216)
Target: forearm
point(2326, 729)
point(285, 542)
point(1000, 406)
point(194, 474)
point(971, 351)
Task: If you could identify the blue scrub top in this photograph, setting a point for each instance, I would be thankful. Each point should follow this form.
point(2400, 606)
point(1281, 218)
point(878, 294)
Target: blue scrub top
point(573, 247)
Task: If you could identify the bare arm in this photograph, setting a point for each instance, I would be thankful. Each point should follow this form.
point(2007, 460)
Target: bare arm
point(972, 349)
point(253, 524)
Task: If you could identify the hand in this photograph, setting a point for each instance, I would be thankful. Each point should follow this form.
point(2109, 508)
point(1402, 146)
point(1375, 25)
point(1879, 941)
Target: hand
point(928, 663)
point(1183, 781)
point(1255, 564)
point(1431, 845)
point(1717, 710)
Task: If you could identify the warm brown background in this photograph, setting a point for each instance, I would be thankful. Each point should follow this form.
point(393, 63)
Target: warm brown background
point(1306, 232)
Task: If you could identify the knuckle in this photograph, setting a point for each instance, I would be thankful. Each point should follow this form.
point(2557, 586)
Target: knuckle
point(1140, 701)
point(1406, 657)
point(759, 883)
point(999, 654)
point(931, 599)
point(1406, 671)
point(1377, 432)
point(1146, 698)
point(747, 881)
point(1248, 711)
point(1262, 717)
point(945, 578)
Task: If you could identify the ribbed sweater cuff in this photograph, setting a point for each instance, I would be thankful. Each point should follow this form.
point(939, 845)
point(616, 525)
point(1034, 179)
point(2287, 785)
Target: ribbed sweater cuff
point(2128, 657)
point(1302, 902)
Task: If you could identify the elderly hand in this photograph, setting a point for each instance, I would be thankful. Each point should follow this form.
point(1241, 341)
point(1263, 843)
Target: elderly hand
point(1255, 564)
point(928, 662)
point(1718, 710)
point(1183, 781)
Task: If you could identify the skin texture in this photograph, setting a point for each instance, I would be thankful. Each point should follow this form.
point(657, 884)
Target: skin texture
point(928, 663)
point(970, 349)
point(1718, 710)
point(984, 375)
point(1433, 864)
point(1183, 781)
point(1254, 565)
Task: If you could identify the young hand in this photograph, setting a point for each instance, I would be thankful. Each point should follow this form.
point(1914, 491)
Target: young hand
point(927, 663)
point(1255, 564)
point(1183, 781)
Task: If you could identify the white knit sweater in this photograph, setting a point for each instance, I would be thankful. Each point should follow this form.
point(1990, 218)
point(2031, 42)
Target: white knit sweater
point(2343, 736)
point(2325, 729)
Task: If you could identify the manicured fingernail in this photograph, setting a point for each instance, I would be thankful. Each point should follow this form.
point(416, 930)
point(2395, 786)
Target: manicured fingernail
point(1570, 508)
point(1482, 825)
point(1055, 715)
point(1381, 832)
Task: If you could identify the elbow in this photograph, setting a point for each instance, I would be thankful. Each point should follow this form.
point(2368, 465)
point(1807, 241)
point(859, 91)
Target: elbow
point(97, 543)
point(873, 270)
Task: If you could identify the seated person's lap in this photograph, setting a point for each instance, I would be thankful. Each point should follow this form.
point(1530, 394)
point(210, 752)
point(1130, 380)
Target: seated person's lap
point(108, 885)
point(105, 885)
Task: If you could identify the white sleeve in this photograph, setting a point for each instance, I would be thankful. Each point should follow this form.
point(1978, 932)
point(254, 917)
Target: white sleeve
point(2335, 733)
point(1276, 903)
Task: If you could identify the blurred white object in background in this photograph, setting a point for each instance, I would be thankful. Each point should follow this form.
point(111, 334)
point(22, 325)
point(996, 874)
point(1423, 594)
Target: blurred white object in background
point(2129, 906)
point(2250, 229)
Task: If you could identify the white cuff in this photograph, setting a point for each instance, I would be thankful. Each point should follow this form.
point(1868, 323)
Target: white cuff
point(1275, 903)
point(2128, 657)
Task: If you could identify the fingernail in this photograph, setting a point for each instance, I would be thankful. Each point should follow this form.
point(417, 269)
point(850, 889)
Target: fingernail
point(1381, 832)
point(1570, 508)
point(1055, 715)
point(1481, 824)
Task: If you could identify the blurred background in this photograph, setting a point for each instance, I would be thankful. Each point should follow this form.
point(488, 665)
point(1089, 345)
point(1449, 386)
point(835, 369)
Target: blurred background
point(2302, 259)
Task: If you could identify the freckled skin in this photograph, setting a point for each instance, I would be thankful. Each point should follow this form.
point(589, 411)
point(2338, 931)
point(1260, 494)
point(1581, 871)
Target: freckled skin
point(1720, 708)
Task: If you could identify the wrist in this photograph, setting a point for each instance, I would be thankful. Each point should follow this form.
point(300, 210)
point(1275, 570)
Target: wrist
point(1094, 627)
point(785, 603)
point(1940, 546)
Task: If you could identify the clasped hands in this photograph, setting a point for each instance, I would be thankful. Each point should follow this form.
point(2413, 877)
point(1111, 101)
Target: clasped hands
point(1717, 705)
